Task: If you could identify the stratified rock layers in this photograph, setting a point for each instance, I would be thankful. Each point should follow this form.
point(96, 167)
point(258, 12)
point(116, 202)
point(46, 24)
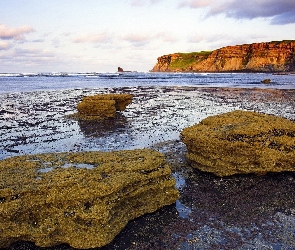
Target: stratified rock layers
point(257, 57)
point(104, 105)
point(241, 142)
point(83, 199)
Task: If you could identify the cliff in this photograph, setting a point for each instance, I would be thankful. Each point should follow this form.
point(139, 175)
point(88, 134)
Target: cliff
point(276, 56)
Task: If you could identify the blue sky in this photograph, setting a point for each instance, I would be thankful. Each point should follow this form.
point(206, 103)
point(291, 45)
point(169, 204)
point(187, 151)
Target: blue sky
point(100, 35)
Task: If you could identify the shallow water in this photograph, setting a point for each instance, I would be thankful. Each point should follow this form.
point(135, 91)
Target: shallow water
point(240, 212)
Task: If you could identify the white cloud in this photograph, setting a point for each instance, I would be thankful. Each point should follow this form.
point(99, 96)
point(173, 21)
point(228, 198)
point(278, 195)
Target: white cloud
point(140, 39)
point(93, 38)
point(7, 33)
point(137, 39)
point(4, 45)
point(144, 2)
point(196, 4)
point(32, 54)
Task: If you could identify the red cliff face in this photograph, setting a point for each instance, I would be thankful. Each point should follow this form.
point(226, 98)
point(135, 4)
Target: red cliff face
point(256, 57)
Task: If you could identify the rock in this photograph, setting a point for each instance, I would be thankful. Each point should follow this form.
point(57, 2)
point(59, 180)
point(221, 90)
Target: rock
point(266, 81)
point(83, 199)
point(104, 105)
point(241, 142)
point(276, 56)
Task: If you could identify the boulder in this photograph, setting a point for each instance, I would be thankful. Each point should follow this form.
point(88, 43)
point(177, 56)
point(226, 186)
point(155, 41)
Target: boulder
point(266, 81)
point(83, 199)
point(241, 142)
point(103, 105)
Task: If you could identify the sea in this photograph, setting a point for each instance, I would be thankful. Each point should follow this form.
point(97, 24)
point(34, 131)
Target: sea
point(24, 82)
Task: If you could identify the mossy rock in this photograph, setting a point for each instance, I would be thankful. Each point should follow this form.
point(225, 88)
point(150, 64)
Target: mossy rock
point(83, 199)
point(241, 142)
point(103, 105)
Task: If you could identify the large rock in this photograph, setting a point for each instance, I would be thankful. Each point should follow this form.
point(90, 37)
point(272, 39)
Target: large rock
point(103, 105)
point(241, 142)
point(83, 199)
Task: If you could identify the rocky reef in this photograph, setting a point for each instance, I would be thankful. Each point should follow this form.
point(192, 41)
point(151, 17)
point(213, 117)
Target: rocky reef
point(276, 56)
point(103, 105)
point(241, 142)
point(83, 199)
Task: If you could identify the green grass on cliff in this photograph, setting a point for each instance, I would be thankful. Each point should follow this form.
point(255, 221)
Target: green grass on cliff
point(283, 41)
point(186, 60)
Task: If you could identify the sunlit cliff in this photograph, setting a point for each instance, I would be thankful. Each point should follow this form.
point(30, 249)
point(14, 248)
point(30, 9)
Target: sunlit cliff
point(275, 56)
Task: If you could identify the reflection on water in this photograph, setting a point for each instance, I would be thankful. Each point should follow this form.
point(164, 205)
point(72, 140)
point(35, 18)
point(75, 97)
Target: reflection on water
point(99, 128)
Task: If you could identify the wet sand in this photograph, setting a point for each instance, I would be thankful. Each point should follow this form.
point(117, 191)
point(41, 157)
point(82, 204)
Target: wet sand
point(238, 212)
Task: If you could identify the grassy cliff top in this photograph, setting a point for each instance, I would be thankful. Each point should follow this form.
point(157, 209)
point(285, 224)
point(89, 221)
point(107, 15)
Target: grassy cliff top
point(185, 60)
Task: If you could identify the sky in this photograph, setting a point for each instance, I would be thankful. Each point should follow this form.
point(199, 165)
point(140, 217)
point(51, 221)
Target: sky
point(101, 35)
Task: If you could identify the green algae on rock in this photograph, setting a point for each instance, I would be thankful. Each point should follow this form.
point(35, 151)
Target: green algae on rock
point(103, 105)
point(83, 199)
point(241, 142)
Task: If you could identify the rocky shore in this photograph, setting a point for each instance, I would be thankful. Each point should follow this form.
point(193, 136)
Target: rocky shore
point(236, 212)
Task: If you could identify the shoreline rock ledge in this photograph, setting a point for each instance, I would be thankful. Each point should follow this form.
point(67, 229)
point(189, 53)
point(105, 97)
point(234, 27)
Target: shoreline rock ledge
point(83, 199)
point(241, 142)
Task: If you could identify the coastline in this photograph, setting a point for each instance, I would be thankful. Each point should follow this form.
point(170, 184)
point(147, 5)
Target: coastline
point(239, 212)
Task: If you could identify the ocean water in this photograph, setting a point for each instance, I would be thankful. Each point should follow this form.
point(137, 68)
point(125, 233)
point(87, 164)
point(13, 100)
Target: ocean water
point(23, 82)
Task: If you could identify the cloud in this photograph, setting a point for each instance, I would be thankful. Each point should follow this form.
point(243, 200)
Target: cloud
point(166, 37)
point(280, 12)
point(137, 40)
point(196, 3)
point(32, 53)
point(7, 33)
point(4, 45)
point(93, 38)
point(144, 2)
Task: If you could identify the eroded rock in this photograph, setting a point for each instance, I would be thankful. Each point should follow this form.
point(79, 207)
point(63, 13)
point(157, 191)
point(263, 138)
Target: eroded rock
point(241, 142)
point(84, 199)
point(103, 105)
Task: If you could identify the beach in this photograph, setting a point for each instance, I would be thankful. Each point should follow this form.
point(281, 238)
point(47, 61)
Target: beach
point(238, 212)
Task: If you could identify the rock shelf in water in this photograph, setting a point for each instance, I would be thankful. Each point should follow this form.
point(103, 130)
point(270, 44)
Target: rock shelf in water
point(103, 105)
point(241, 142)
point(83, 199)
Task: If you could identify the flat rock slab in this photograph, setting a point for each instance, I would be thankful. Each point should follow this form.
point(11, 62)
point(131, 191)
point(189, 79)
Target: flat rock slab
point(83, 199)
point(103, 105)
point(241, 142)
